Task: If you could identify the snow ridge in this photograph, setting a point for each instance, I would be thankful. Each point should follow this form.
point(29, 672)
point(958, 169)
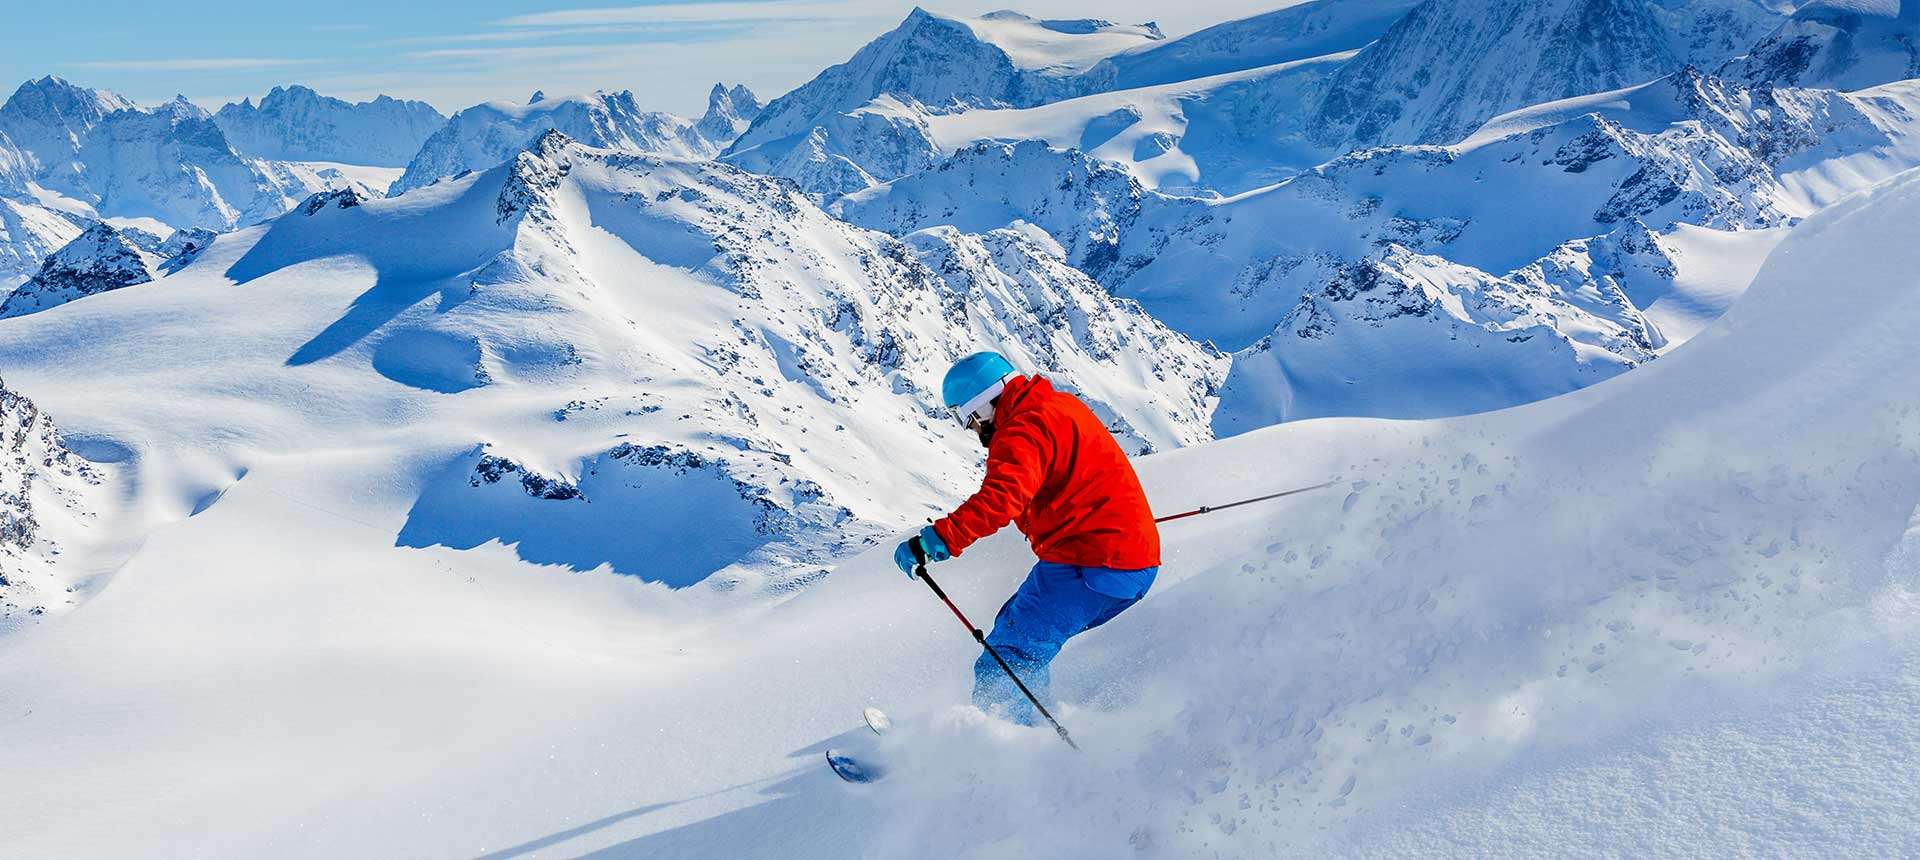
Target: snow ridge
point(488, 134)
point(294, 123)
point(1837, 45)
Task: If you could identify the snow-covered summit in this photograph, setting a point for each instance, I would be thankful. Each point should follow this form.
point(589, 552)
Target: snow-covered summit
point(100, 259)
point(1450, 65)
point(1838, 44)
point(172, 163)
point(729, 112)
point(1058, 46)
point(1311, 29)
point(49, 118)
point(294, 123)
point(944, 64)
point(487, 134)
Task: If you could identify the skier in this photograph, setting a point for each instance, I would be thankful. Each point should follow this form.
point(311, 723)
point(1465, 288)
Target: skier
point(1055, 472)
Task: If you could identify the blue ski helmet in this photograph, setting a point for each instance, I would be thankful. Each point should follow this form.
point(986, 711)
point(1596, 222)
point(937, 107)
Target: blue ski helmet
point(973, 383)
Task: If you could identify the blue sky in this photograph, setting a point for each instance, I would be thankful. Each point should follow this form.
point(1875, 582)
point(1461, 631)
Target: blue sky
point(454, 54)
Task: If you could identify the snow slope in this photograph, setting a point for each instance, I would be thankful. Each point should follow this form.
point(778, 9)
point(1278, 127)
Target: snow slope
point(654, 334)
point(1674, 613)
point(1420, 281)
point(865, 120)
point(487, 134)
point(295, 123)
point(1446, 67)
point(28, 233)
point(1298, 32)
point(1837, 44)
point(1224, 134)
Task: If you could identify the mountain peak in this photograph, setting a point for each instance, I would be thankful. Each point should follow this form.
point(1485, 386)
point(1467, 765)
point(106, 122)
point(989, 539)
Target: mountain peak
point(293, 122)
point(1837, 44)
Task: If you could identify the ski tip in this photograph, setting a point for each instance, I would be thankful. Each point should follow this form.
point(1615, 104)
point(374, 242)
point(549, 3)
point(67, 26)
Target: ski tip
point(851, 770)
point(877, 720)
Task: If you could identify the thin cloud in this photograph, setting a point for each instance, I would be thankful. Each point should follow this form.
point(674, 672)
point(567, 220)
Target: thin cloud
point(689, 13)
point(497, 55)
point(543, 34)
point(196, 64)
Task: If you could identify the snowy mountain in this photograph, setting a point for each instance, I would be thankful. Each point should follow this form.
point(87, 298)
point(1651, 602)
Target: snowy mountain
point(1518, 226)
point(1447, 67)
point(28, 233)
point(104, 258)
point(173, 164)
point(1837, 44)
point(1240, 105)
point(47, 493)
point(1299, 32)
point(488, 134)
point(947, 64)
point(605, 333)
point(50, 118)
point(295, 123)
point(729, 112)
point(864, 120)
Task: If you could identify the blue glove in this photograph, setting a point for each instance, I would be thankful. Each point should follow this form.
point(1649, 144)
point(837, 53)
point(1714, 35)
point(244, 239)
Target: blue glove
point(929, 543)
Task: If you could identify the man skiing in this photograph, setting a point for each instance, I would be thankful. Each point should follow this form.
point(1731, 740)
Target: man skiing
point(1055, 472)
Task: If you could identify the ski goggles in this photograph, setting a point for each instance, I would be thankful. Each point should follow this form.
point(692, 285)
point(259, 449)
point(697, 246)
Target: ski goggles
point(980, 408)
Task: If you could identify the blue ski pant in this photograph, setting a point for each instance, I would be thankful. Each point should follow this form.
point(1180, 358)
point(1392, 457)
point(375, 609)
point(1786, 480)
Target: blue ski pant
point(1056, 603)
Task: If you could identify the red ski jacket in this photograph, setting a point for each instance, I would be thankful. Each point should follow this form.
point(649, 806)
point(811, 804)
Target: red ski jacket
point(1055, 471)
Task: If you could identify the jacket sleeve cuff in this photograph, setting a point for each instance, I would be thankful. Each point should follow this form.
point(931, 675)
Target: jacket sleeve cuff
point(950, 535)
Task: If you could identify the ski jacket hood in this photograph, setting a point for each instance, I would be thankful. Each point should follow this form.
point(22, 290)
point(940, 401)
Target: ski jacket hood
point(1055, 472)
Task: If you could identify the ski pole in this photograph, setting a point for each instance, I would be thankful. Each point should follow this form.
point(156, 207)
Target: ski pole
point(920, 564)
point(1207, 509)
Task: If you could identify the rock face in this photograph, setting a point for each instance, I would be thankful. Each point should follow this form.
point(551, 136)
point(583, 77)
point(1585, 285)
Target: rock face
point(488, 134)
point(44, 488)
point(1447, 67)
point(101, 259)
point(297, 124)
point(49, 118)
point(729, 112)
point(1837, 44)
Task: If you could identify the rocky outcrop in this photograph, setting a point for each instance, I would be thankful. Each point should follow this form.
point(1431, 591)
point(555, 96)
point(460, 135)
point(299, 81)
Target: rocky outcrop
point(101, 259)
point(40, 480)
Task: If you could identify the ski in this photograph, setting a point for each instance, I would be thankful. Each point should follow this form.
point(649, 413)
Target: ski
point(855, 770)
